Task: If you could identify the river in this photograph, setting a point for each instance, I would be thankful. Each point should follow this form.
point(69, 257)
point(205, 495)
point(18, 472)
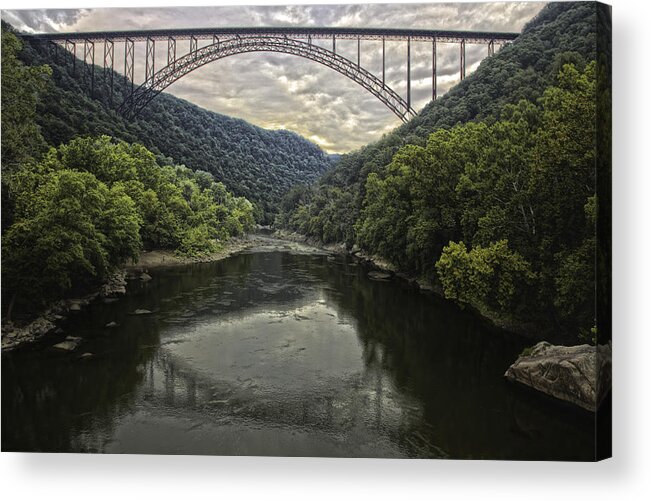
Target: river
point(283, 350)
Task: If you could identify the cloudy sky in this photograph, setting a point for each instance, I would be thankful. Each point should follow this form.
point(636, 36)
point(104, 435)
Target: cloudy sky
point(283, 91)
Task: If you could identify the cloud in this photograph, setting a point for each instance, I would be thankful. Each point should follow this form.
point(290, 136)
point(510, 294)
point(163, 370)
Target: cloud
point(283, 91)
point(43, 20)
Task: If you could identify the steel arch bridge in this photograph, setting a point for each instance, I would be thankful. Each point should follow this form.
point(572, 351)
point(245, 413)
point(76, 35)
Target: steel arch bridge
point(211, 44)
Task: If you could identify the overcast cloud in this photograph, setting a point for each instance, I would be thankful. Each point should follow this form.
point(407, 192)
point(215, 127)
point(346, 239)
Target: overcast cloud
point(283, 91)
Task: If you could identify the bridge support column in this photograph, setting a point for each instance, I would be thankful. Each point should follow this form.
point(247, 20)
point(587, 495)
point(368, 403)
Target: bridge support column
point(359, 50)
point(54, 50)
point(194, 44)
point(108, 67)
point(334, 44)
point(434, 69)
point(89, 64)
point(128, 66)
point(462, 59)
point(408, 73)
point(491, 48)
point(215, 40)
point(171, 51)
point(150, 58)
point(71, 47)
point(384, 73)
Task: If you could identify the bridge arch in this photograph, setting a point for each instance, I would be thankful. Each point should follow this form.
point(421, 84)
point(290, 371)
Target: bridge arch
point(180, 67)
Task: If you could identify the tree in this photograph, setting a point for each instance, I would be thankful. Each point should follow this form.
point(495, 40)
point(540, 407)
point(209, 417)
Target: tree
point(493, 276)
point(494, 189)
point(21, 86)
point(71, 231)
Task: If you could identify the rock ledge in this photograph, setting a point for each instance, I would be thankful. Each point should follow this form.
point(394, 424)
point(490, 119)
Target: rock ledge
point(577, 374)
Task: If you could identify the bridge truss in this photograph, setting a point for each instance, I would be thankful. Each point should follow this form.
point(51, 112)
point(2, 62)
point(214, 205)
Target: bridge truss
point(211, 44)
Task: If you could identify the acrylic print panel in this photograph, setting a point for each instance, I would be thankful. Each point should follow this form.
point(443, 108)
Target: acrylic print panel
point(343, 230)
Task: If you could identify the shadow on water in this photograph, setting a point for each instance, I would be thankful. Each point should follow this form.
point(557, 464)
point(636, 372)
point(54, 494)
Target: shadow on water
point(283, 353)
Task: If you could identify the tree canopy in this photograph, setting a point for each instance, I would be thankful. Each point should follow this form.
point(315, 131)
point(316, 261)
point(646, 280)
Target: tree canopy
point(491, 191)
point(92, 204)
point(252, 162)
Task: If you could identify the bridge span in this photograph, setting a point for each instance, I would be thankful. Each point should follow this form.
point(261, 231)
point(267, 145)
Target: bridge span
point(205, 45)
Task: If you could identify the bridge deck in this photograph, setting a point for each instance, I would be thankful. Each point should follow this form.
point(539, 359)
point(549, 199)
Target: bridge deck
point(480, 37)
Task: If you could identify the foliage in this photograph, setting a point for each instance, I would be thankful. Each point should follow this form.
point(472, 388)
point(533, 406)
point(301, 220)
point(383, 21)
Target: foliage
point(494, 276)
point(70, 230)
point(196, 240)
point(92, 204)
point(490, 190)
point(21, 86)
point(441, 200)
point(526, 352)
point(21, 137)
point(589, 336)
point(252, 162)
point(168, 199)
point(562, 33)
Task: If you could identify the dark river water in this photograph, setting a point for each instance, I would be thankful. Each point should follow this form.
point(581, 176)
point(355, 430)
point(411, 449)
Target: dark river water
point(283, 351)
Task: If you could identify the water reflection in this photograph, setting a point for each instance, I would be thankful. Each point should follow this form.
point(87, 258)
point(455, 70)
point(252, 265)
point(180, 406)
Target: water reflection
point(277, 352)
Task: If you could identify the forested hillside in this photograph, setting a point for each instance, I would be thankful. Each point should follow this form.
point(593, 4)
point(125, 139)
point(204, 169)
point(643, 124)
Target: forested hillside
point(73, 214)
point(561, 33)
point(258, 164)
point(490, 192)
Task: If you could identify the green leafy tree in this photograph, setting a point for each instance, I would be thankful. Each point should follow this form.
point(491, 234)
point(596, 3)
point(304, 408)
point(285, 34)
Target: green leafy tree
point(575, 279)
point(381, 227)
point(21, 86)
point(71, 231)
point(493, 276)
point(197, 240)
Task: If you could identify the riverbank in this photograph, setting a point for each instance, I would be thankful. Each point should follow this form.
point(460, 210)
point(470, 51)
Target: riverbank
point(529, 331)
point(286, 344)
point(578, 387)
point(165, 258)
point(46, 325)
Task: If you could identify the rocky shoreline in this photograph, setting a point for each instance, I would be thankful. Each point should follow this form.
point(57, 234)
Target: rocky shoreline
point(581, 375)
point(48, 324)
point(528, 331)
point(570, 384)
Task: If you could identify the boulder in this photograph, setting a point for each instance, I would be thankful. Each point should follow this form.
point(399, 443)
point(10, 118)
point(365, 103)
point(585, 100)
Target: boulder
point(424, 285)
point(379, 275)
point(141, 312)
point(70, 343)
point(40, 327)
point(13, 336)
point(132, 275)
point(145, 277)
point(579, 374)
point(110, 325)
point(116, 285)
